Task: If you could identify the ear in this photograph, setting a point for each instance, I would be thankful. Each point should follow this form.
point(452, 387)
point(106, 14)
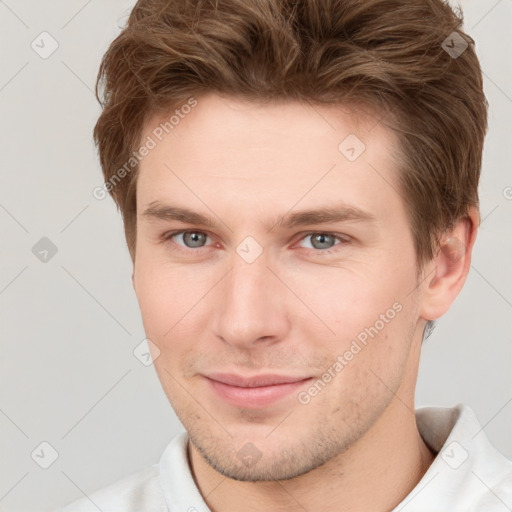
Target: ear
point(446, 274)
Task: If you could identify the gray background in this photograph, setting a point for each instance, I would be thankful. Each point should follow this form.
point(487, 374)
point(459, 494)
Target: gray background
point(68, 375)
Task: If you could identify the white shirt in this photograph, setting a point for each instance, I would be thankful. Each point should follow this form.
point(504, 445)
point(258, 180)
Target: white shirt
point(468, 474)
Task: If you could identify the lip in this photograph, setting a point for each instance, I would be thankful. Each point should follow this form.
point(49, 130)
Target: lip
point(254, 391)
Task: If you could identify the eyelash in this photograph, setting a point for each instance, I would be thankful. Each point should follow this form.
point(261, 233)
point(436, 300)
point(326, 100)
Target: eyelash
point(343, 239)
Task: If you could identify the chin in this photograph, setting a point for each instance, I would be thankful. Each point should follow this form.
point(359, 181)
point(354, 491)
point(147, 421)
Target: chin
point(263, 461)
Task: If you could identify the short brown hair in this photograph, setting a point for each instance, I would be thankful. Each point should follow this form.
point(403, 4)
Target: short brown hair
point(399, 57)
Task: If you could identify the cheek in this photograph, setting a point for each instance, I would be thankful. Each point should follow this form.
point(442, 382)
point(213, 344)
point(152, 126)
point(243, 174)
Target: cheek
point(362, 376)
point(350, 300)
point(166, 295)
point(372, 318)
point(154, 297)
point(172, 304)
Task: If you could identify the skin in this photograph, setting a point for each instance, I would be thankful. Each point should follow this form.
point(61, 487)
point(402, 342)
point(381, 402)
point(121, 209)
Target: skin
point(295, 308)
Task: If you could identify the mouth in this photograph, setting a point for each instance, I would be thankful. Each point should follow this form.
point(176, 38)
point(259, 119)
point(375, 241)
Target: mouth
point(255, 391)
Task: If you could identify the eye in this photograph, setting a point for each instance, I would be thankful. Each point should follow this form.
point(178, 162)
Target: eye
point(188, 239)
point(323, 241)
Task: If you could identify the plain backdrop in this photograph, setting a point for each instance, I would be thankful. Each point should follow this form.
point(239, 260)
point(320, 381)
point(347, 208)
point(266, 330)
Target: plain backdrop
point(69, 326)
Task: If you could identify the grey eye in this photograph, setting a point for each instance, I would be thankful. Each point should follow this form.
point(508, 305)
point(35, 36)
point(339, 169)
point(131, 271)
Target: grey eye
point(321, 240)
point(194, 239)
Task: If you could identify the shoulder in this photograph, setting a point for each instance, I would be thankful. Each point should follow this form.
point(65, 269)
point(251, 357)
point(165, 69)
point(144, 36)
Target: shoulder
point(148, 490)
point(139, 491)
point(469, 473)
point(492, 481)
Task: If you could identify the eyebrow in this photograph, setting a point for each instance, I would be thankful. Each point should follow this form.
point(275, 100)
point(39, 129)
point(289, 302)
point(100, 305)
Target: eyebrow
point(323, 215)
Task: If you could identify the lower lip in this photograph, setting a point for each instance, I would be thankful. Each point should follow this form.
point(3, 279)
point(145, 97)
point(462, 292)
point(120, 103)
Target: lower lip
point(254, 397)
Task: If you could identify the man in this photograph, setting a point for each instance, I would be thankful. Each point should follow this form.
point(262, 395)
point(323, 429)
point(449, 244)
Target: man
point(298, 184)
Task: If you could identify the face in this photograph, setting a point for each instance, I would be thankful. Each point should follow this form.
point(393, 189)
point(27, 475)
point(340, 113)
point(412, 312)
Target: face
point(276, 276)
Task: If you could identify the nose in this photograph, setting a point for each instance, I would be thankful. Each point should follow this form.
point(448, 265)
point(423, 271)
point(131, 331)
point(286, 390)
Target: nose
point(251, 305)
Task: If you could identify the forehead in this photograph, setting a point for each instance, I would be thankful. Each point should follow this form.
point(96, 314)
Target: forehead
point(245, 124)
point(227, 149)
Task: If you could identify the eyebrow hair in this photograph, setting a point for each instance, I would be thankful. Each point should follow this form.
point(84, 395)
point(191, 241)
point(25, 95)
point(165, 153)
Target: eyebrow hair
point(323, 215)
